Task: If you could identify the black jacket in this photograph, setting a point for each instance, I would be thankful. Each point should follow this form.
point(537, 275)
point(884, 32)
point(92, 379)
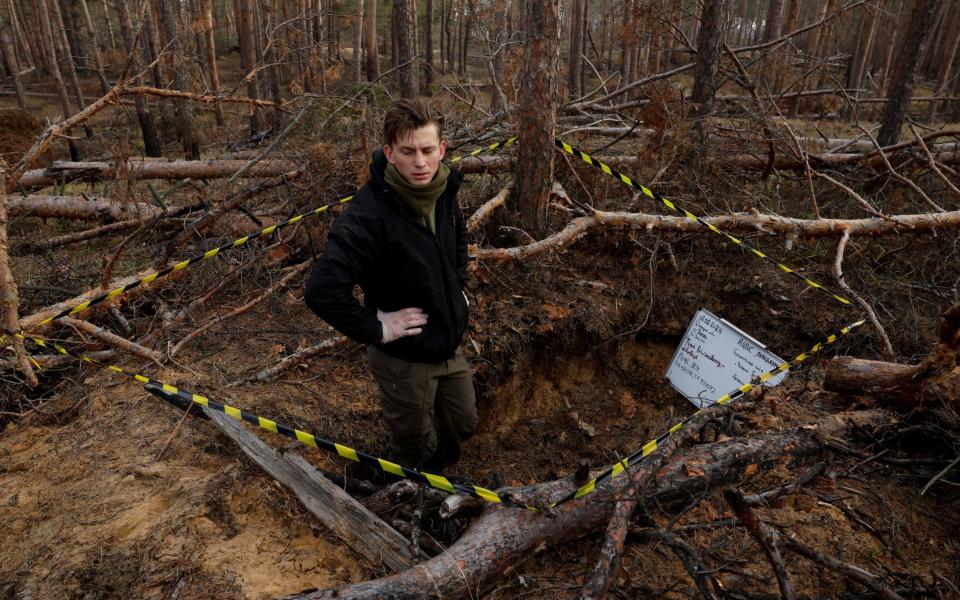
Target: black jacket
point(380, 244)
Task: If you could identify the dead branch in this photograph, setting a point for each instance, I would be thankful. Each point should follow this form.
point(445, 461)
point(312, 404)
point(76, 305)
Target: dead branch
point(138, 169)
point(769, 224)
point(608, 565)
point(294, 273)
point(852, 572)
point(80, 208)
point(297, 358)
point(933, 163)
point(483, 213)
point(765, 537)
point(231, 202)
point(202, 98)
point(841, 281)
point(501, 535)
point(768, 496)
point(113, 339)
point(857, 197)
point(897, 176)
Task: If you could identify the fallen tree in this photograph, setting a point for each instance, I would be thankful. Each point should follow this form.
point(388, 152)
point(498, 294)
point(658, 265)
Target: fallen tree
point(502, 536)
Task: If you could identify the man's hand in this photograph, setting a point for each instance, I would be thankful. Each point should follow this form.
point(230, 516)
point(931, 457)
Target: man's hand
point(401, 323)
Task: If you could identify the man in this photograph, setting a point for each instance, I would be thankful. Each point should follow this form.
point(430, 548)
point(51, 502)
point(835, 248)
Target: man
point(402, 239)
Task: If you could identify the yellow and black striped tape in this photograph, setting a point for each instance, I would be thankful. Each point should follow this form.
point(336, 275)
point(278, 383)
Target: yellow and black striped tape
point(228, 246)
point(651, 446)
point(451, 485)
point(680, 210)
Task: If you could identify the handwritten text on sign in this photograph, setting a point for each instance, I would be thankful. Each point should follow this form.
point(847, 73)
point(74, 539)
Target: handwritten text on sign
point(714, 358)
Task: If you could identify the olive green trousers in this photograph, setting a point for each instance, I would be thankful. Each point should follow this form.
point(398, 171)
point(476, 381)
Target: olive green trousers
point(430, 408)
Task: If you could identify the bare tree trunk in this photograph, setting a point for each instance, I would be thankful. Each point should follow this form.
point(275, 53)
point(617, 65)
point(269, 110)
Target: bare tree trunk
point(358, 42)
point(894, 41)
point(108, 25)
point(371, 50)
point(9, 295)
point(709, 45)
point(184, 121)
point(461, 40)
point(574, 62)
point(95, 45)
point(209, 46)
point(13, 66)
point(904, 75)
point(536, 114)
point(150, 143)
point(405, 22)
point(71, 66)
point(946, 67)
point(248, 58)
point(28, 51)
point(428, 43)
point(51, 55)
point(498, 102)
point(443, 36)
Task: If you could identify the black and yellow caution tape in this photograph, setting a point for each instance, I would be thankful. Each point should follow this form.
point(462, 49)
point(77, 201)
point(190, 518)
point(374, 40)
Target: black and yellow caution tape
point(451, 485)
point(678, 209)
point(651, 446)
point(109, 295)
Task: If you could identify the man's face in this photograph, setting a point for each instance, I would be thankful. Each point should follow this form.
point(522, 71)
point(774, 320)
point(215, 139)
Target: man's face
point(417, 154)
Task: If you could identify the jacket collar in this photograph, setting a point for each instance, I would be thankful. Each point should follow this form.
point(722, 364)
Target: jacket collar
point(378, 168)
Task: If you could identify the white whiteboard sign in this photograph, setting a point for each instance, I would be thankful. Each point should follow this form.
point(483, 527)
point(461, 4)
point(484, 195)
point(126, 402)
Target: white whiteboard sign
point(715, 358)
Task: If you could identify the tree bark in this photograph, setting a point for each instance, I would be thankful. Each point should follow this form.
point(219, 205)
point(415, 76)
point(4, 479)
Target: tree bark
point(501, 535)
point(148, 130)
point(185, 128)
point(904, 73)
point(405, 22)
point(95, 45)
point(358, 42)
point(58, 21)
point(574, 62)
point(428, 43)
point(248, 59)
point(709, 45)
point(51, 54)
point(371, 51)
point(536, 115)
point(13, 66)
point(9, 295)
point(208, 49)
point(946, 68)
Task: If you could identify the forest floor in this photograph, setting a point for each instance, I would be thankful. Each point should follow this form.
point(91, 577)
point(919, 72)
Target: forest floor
point(104, 493)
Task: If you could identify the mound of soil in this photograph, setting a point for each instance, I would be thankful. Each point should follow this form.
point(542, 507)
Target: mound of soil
point(18, 131)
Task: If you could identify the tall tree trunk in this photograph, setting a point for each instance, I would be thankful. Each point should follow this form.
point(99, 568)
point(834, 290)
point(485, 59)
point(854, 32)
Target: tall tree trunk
point(574, 62)
point(248, 58)
point(771, 29)
point(108, 26)
point(9, 294)
point(150, 143)
point(208, 43)
point(709, 45)
point(358, 42)
point(405, 22)
point(71, 65)
point(428, 43)
point(865, 47)
point(371, 52)
point(895, 40)
point(461, 43)
point(269, 54)
point(536, 114)
point(333, 50)
point(655, 26)
point(28, 51)
point(946, 68)
point(904, 73)
point(498, 102)
point(95, 46)
point(51, 54)
point(443, 37)
point(184, 118)
point(13, 66)
point(71, 30)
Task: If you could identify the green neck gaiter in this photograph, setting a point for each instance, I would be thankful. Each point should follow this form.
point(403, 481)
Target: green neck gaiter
point(421, 198)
